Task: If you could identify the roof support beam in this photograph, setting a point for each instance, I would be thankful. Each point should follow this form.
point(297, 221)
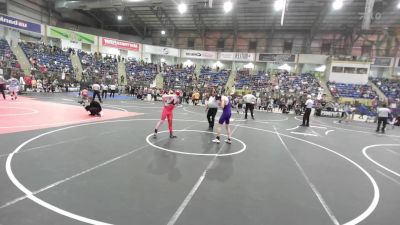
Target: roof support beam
point(235, 27)
point(138, 19)
point(369, 6)
point(315, 27)
point(164, 19)
point(97, 18)
point(199, 24)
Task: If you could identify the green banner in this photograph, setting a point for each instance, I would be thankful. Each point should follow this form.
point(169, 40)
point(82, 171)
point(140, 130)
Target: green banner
point(57, 32)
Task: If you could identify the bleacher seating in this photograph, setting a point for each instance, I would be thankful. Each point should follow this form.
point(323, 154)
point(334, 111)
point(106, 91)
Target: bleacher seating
point(179, 78)
point(391, 88)
point(140, 73)
point(7, 57)
point(48, 58)
point(209, 78)
point(94, 65)
point(351, 90)
point(244, 80)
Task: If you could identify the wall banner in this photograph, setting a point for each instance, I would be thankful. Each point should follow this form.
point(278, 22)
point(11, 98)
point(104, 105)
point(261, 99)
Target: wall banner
point(237, 56)
point(159, 50)
point(194, 54)
point(266, 57)
point(20, 24)
point(61, 33)
point(114, 43)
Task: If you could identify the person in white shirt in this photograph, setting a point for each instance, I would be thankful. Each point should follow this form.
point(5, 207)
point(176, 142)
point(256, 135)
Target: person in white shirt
point(250, 101)
point(211, 108)
point(104, 91)
point(383, 115)
point(96, 92)
point(112, 90)
point(307, 113)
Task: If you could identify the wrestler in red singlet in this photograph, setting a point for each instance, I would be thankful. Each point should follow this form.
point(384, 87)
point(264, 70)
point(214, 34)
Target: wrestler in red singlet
point(170, 100)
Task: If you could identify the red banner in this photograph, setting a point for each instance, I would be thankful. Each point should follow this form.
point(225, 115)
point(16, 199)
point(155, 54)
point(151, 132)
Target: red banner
point(120, 44)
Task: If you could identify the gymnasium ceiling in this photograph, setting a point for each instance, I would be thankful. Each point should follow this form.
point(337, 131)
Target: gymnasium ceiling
point(141, 17)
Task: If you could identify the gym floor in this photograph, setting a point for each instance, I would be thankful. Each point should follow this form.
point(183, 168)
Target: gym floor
point(62, 167)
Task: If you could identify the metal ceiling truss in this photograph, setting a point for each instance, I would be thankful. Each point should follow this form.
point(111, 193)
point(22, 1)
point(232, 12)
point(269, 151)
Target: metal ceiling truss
point(130, 13)
point(164, 19)
point(199, 24)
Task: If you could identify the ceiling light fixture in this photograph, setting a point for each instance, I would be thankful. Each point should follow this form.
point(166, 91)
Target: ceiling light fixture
point(228, 6)
point(398, 5)
point(337, 4)
point(119, 17)
point(182, 8)
point(279, 5)
point(163, 32)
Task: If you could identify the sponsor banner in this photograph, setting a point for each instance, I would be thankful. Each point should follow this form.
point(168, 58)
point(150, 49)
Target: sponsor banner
point(114, 43)
point(237, 56)
point(61, 33)
point(266, 57)
point(20, 24)
point(382, 61)
point(159, 50)
point(194, 54)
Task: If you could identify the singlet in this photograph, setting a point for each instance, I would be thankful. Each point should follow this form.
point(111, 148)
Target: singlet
point(228, 106)
point(14, 82)
point(169, 101)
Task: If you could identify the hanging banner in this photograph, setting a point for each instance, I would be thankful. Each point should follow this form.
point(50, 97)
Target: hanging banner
point(61, 33)
point(158, 50)
point(266, 57)
point(20, 24)
point(194, 54)
point(114, 43)
point(237, 56)
point(382, 61)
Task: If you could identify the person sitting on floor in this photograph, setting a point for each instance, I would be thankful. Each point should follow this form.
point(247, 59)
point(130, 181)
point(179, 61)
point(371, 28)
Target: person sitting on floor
point(94, 108)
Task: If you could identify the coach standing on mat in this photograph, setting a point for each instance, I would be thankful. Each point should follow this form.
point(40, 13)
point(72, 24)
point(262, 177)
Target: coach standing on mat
point(383, 115)
point(96, 91)
point(211, 108)
point(250, 101)
point(306, 116)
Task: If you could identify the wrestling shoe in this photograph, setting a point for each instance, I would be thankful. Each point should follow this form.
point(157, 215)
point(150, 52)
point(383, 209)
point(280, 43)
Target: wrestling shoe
point(172, 136)
point(228, 141)
point(216, 141)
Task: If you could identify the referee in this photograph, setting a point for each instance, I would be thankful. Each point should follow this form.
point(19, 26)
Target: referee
point(211, 108)
point(250, 101)
point(306, 116)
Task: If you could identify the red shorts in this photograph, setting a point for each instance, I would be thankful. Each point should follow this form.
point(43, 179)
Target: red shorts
point(167, 112)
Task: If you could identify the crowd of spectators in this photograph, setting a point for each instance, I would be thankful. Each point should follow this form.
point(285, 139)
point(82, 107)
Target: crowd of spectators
point(177, 77)
point(245, 80)
point(213, 78)
point(8, 61)
point(96, 66)
point(48, 59)
point(391, 88)
point(140, 72)
point(341, 90)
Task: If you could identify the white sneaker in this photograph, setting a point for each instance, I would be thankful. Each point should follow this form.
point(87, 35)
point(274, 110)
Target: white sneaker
point(228, 141)
point(216, 141)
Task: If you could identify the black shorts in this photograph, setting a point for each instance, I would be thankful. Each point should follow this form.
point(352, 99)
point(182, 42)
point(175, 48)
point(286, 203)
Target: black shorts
point(240, 106)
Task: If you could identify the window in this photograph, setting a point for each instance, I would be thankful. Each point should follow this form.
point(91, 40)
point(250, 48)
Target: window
point(362, 70)
point(252, 45)
point(326, 48)
point(190, 43)
point(163, 42)
point(349, 70)
point(337, 69)
point(287, 47)
point(221, 44)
